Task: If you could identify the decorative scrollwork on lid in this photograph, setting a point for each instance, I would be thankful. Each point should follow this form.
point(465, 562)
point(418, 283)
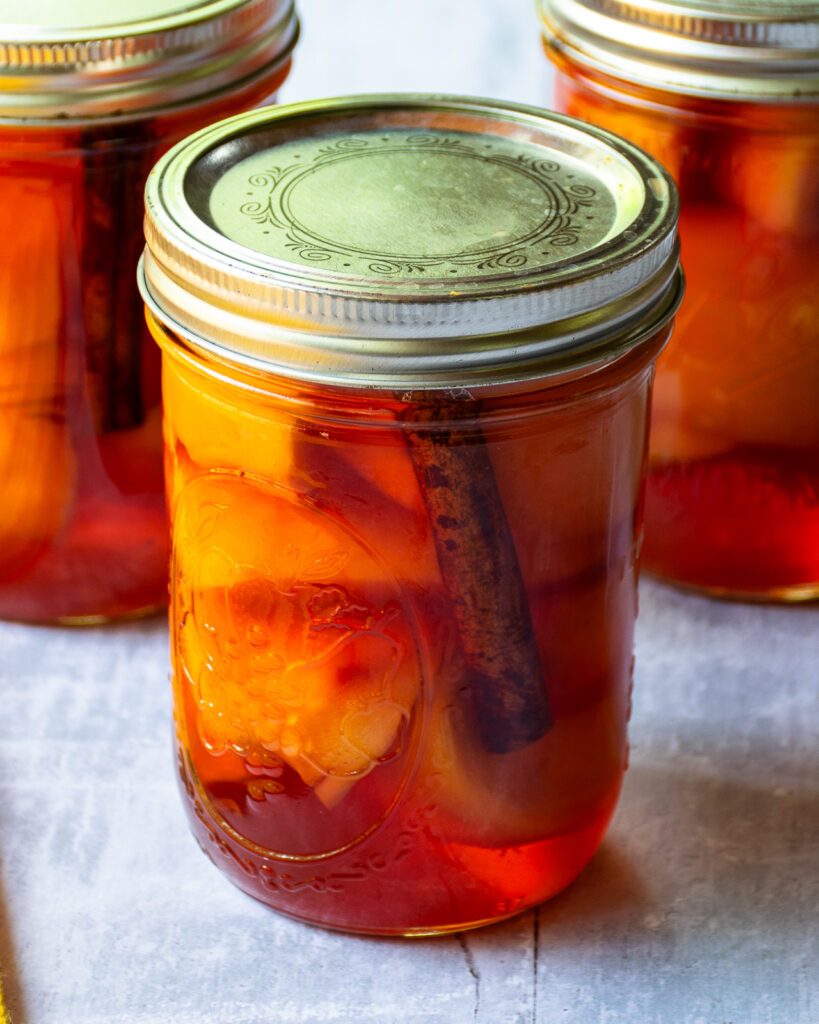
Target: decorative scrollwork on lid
point(572, 213)
point(305, 249)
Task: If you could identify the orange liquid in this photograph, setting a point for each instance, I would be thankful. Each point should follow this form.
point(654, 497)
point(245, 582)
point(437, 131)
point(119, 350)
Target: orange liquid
point(332, 751)
point(83, 525)
point(733, 490)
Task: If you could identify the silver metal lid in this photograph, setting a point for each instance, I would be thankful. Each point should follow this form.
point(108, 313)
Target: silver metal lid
point(731, 49)
point(409, 240)
point(81, 59)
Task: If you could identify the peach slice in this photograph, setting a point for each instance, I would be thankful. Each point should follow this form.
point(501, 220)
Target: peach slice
point(746, 369)
point(366, 477)
point(133, 458)
point(775, 179)
point(36, 462)
point(291, 635)
point(570, 489)
point(673, 437)
point(219, 432)
point(541, 791)
point(372, 485)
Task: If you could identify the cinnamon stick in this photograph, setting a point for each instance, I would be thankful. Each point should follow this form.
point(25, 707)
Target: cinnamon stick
point(479, 566)
point(115, 169)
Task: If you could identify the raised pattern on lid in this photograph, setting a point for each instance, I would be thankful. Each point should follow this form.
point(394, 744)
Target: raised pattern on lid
point(425, 206)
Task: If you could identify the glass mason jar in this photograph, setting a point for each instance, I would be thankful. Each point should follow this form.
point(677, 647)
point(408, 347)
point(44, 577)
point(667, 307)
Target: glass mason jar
point(726, 96)
point(86, 108)
point(408, 346)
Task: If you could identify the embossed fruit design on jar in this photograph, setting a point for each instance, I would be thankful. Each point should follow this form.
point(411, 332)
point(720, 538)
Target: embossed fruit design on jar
point(726, 96)
point(89, 101)
point(408, 346)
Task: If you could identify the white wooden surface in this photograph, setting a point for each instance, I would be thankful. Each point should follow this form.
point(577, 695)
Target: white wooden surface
point(701, 907)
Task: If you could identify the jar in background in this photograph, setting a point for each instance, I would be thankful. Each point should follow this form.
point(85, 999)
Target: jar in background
point(87, 105)
point(408, 345)
point(726, 95)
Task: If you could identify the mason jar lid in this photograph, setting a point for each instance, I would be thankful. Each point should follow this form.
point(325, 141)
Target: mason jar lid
point(79, 59)
point(406, 241)
point(727, 49)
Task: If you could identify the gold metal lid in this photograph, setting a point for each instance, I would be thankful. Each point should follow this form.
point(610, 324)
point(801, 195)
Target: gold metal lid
point(409, 241)
point(727, 49)
point(79, 59)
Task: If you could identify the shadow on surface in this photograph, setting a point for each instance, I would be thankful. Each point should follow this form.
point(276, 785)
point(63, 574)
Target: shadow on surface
point(611, 890)
point(716, 854)
point(694, 851)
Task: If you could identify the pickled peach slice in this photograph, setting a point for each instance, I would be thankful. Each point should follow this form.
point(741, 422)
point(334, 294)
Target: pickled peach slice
point(546, 789)
point(578, 480)
point(36, 463)
point(133, 458)
point(291, 635)
point(32, 512)
point(673, 437)
point(219, 432)
point(179, 467)
point(775, 179)
point(747, 370)
point(364, 475)
point(372, 485)
point(370, 473)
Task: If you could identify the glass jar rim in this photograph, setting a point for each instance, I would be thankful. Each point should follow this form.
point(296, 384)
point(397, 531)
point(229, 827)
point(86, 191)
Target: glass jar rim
point(330, 404)
point(141, 62)
point(734, 50)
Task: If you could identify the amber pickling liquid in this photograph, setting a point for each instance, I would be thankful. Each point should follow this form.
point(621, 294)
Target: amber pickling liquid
point(83, 526)
point(733, 490)
point(352, 751)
